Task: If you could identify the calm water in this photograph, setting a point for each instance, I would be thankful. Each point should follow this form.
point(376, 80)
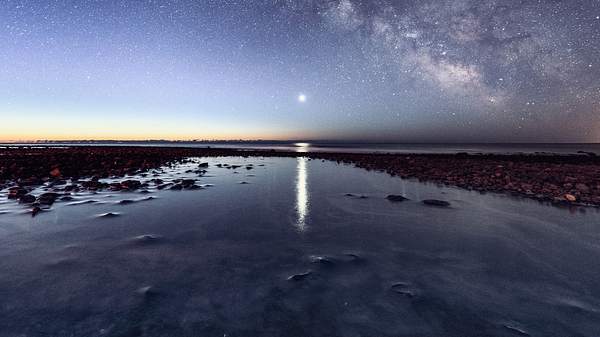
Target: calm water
point(218, 261)
point(571, 148)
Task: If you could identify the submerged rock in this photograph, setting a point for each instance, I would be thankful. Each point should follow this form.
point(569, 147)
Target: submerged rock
point(396, 198)
point(402, 288)
point(109, 215)
point(322, 260)
point(16, 192)
point(147, 291)
point(27, 199)
point(435, 202)
point(131, 184)
point(147, 239)
point(48, 198)
point(299, 277)
point(35, 211)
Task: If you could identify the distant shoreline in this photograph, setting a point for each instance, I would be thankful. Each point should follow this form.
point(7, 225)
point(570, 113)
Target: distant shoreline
point(558, 179)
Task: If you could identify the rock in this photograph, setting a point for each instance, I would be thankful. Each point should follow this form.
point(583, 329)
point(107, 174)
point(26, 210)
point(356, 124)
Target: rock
point(131, 184)
point(147, 291)
point(35, 211)
point(402, 288)
point(203, 165)
point(126, 202)
point(16, 192)
point(55, 172)
point(48, 198)
point(396, 198)
point(435, 202)
point(157, 181)
point(299, 277)
point(176, 187)
point(187, 183)
point(570, 197)
point(27, 199)
point(109, 215)
point(72, 187)
point(322, 260)
point(147, 239)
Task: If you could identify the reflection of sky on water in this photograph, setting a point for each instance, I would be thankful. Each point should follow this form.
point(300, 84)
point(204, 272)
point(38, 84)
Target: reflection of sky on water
point(302, 200)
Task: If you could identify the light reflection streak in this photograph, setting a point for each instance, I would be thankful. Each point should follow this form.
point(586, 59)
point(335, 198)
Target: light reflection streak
point(302, 197)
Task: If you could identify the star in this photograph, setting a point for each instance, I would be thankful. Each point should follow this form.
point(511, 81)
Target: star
point(302, 98)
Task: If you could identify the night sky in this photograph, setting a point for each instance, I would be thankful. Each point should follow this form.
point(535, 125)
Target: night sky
point(409, 71)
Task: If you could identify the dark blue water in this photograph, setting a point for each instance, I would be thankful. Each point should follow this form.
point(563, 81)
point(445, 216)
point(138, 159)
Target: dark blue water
point(288, 253)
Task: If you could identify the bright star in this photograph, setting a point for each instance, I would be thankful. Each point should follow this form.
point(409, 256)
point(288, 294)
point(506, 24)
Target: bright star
point(302, 98)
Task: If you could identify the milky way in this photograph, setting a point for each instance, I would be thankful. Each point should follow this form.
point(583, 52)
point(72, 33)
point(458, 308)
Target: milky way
point(414, 71)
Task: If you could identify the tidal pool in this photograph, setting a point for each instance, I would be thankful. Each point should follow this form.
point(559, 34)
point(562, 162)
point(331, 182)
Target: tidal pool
point(297, 247)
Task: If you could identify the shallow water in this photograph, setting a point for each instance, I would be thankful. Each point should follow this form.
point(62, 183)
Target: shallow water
point(288, 253)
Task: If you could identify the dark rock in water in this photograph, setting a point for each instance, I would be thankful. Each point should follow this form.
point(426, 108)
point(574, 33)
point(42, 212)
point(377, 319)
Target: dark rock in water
point(27, 199)
point(147, 291)
point(116, 187)
point(72, 187)
point(176, 187)
point(131, 184)
point(249, 167)
point(186, 183)
point(300, 277)
point(402, 288)
point(516, 330)
point(219, 165)
point(163, 186)
point(83, 202)
point(322, 260)
point(48, 198)
point(350, 195)
point(363, 197)
point(396, 198)
point(145, 192)
point(109, 215)
point(126, 202)
point(203, 165)
point(147, 239)
point(16, 192)
point(351, 257)
point(244, 182)
point(435, 202)
point(66, 198)
point(35, 211)
point(157, 181)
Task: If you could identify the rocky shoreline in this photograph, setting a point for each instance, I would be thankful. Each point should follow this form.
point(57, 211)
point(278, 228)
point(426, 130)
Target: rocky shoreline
point(559, 179)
